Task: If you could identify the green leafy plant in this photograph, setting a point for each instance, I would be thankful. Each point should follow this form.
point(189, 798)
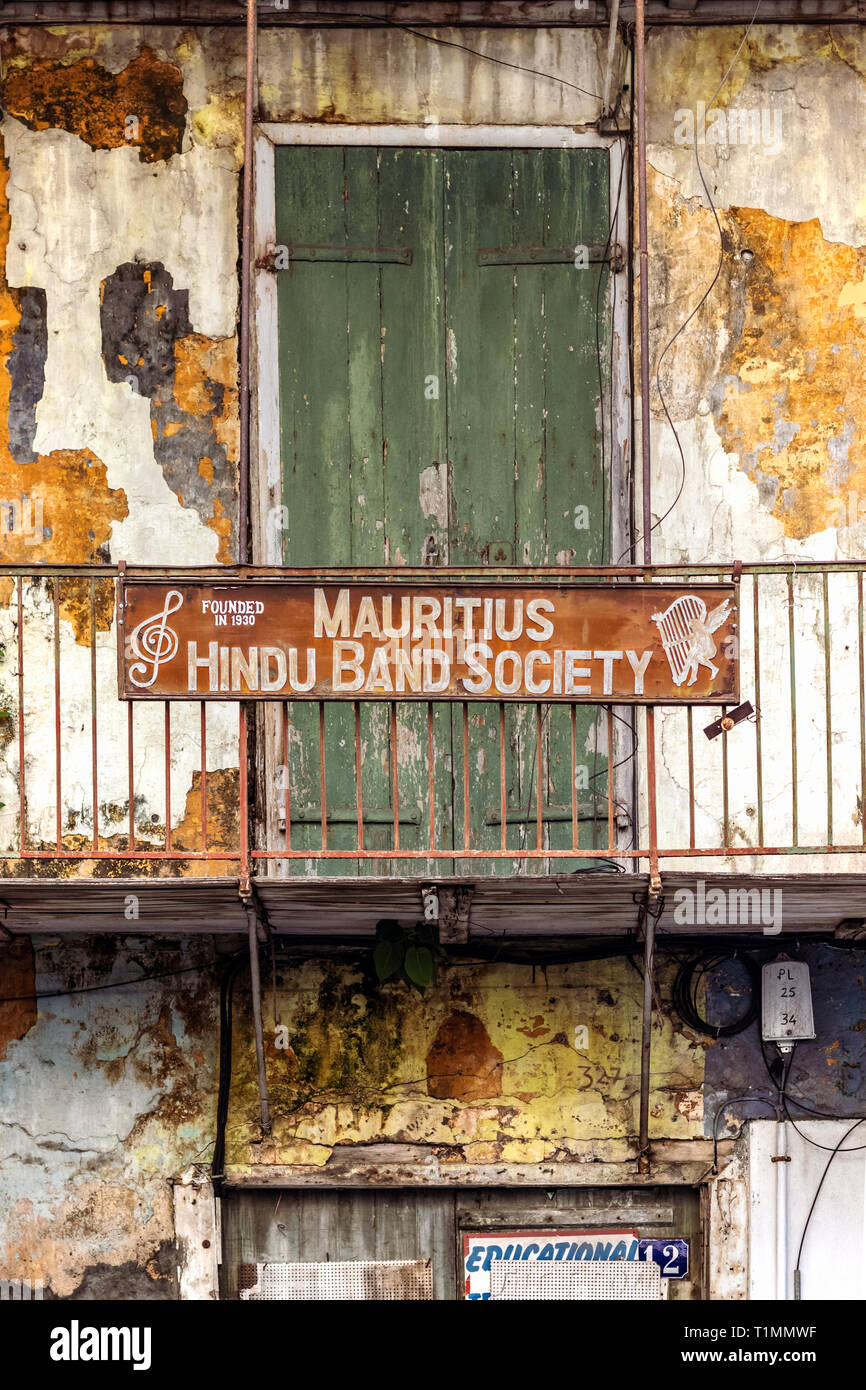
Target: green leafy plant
point(412, 954)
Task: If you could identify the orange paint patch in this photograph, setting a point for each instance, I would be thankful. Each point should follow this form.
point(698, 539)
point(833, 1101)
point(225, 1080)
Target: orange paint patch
point(463, 1064)
point(143, 106)
point(781, 338)
point(801, 368)
point(70, 508)
point(17, 1014)
point(201, 365)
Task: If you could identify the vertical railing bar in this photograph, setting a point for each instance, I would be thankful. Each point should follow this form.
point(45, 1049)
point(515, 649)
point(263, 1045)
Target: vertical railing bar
point(167, 776)
point(395, 794)
point(57, 748)
point(862, 683)
point(94, 758)
point(610, 830)
point(22, 794)
point(539, 765)
point(286, 780)
point(244, 794)
point(691, 754)
point(759, 759)
point(324, 809)
point(359, 795)
point(465, 775)
point(793, 665)
point(726, 822)
point(130, 767)
point(652, 804)
point(431, 781)
point(503, 799)
point(574, 819)
point(828, 712)
point(203, 746)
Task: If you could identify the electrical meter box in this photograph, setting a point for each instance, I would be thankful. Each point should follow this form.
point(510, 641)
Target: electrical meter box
point(786, 999)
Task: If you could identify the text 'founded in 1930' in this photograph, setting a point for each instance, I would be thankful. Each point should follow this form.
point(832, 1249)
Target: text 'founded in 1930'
point(288, 638)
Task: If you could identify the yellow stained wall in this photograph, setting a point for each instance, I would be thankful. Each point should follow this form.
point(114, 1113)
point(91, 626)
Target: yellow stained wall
point(487, 1064)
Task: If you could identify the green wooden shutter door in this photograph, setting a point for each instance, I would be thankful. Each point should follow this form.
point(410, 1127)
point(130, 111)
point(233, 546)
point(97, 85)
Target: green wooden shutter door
point(451, 402)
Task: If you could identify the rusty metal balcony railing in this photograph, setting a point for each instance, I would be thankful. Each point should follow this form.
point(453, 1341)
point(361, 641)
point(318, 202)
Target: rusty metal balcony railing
point(177, 788)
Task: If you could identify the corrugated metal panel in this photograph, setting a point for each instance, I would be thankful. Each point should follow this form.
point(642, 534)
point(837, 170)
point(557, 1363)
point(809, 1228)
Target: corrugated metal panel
point(600, 904)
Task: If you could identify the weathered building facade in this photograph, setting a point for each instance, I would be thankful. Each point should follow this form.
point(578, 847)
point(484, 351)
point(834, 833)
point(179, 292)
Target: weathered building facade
point(441, 242)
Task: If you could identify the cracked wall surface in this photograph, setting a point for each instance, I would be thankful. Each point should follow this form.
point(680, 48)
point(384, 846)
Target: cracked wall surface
point(486, 1064)
point(105, 1097)
point(506, 1064)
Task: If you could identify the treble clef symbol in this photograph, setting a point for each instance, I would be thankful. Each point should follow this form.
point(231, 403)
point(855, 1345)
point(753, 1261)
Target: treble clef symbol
point(154, 642)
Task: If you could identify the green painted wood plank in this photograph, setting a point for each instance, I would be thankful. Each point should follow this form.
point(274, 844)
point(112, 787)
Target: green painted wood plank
point(416, 475)
point(576, 209)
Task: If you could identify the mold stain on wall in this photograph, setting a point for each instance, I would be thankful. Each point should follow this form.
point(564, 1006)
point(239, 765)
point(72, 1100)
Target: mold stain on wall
point(483, 1065)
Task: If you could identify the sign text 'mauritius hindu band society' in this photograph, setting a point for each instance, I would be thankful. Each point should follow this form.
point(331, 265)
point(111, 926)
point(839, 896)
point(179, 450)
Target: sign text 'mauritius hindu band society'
point(287, 638)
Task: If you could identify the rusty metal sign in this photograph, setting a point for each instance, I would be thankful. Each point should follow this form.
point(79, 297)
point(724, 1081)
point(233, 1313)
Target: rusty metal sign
point(385, 636)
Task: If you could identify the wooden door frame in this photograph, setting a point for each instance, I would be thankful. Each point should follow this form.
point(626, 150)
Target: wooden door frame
point(266, 483)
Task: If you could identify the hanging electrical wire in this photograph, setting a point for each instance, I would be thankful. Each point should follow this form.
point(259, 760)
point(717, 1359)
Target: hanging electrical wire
point(688, 981)
point(838, 1149)
point(706, 294)
point(475, 52)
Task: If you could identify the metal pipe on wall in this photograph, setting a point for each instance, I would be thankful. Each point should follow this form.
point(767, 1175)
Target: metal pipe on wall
point(649, 917)
point(611, 48)
point(246, 285)
point(781, 1157)
point(256, 991)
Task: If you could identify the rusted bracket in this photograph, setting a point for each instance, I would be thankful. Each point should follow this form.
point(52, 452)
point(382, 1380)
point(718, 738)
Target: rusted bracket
point(780, 1158)
point(729, 719)
point(454, 905)
point(282, 257)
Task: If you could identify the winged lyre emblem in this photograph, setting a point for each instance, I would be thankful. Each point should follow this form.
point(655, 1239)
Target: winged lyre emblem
point(686, 630)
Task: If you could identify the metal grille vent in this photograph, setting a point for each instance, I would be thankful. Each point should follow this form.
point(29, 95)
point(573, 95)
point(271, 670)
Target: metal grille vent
point(593, 1280)
point(359, 1280)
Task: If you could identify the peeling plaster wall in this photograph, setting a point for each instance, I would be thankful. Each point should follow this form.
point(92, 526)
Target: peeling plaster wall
point(764, 389)
point(106, 178)
point(485, 1064)
point(105, 1098)
point(489, 1066)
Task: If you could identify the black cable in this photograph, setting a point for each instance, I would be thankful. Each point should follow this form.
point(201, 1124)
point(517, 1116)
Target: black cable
point(112, 984)
point(476, 53)
point(814, 1142)
point(837, 1149)
point(704, 297)
point(801, 1105)
point(687, 982)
